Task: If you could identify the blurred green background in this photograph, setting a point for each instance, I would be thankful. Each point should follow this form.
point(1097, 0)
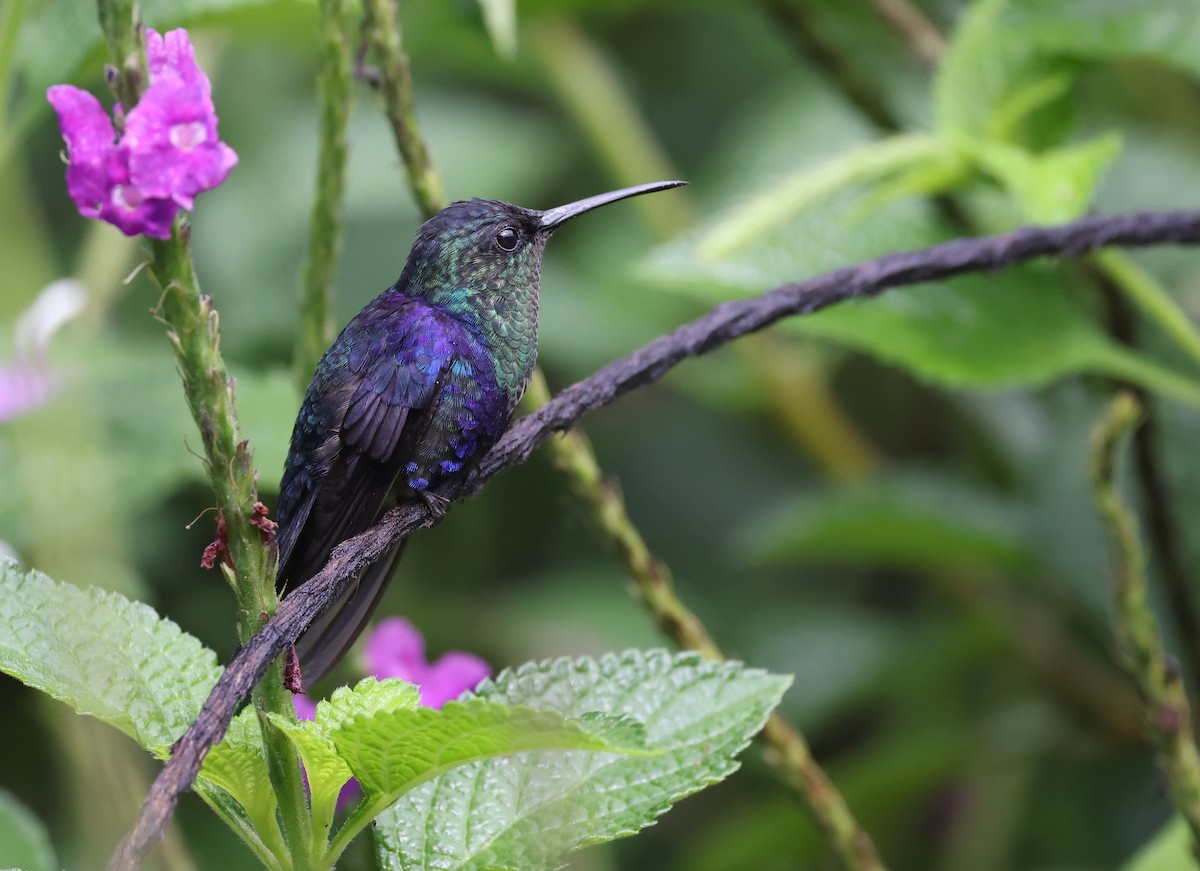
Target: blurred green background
point(889, 500)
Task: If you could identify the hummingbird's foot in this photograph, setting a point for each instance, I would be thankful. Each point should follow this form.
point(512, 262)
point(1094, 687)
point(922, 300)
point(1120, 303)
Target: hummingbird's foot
point(437, 505)
point(293, 681)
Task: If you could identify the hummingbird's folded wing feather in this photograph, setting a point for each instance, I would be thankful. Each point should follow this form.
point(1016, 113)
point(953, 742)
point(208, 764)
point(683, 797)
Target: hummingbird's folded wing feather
point(361, 421)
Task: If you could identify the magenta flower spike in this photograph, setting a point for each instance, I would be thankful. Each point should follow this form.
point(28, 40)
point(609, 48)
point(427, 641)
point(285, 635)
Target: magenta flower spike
point(168, 153)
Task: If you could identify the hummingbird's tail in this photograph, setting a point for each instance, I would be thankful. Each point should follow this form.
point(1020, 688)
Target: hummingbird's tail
point(330, 635)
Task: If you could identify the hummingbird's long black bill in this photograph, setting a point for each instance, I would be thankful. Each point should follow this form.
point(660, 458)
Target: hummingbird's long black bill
point(551, 219)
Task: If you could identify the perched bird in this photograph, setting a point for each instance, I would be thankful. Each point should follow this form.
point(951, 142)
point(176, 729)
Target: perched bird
point(418, 386)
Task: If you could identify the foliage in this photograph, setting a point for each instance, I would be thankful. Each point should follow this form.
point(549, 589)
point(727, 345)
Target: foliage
point(888, 500)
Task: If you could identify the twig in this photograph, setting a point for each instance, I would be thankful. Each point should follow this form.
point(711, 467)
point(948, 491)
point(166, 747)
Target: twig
point(718, 327)
point(1168, 716)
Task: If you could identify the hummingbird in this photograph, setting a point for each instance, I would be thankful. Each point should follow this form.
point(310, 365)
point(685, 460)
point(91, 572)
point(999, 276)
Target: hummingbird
point(413, 393)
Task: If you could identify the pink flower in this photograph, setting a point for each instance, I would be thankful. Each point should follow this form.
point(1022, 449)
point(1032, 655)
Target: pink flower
point(168, 153)
point(395, 648)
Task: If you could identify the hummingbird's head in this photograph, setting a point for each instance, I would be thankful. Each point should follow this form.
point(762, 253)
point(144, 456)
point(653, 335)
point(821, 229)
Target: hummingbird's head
point(479, 256)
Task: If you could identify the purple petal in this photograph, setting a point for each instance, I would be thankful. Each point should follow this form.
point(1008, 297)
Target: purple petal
point(89, 136)
point(84, 124)
point(306, 708)
point(453, 674)
point(395, 649)
point(172, 56)
point(172, 138)
point(350, 794)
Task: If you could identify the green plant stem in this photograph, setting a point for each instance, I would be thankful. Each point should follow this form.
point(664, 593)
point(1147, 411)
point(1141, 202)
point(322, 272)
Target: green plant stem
point(787, 750)
point(194, 330)
point(317, 319)
point(394, 87)
point(593, 95)
point(122, 25)
point(1168, 716)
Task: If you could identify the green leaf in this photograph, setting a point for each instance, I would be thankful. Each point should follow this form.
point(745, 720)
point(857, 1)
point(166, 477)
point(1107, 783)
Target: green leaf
point(327, 772)
point(919, 522)
point(1166, 30)
point(1003, 48)
point(103, 655)
point(1054, 186)
point(782, 198)
point(24, 842)
point(238, 766)
point(1169, 850)
point(524, 812)
point(500, 17)
point(981, 66)
point(392, 751)
point(369, 696)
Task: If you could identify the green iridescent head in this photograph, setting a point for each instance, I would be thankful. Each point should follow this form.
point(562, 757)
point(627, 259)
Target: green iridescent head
point(481, 261)
point(486, 254)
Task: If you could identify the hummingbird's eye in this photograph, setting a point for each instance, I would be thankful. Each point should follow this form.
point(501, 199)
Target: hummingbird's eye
point(507, 239)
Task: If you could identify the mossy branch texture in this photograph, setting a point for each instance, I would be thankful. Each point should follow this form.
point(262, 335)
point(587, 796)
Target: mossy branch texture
point(1167, 714)
point(718, 327)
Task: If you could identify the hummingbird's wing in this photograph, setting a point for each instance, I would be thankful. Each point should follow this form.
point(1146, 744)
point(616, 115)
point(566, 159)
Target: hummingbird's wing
point(362, 417)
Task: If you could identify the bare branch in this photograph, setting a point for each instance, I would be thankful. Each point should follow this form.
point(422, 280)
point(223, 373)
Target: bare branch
point(718, 327)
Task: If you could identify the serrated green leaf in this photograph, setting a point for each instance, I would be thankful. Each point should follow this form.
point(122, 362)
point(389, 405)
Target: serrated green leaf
point(238, 766)
point(912, 522)
point(524, 812)
point(1054, 186)
point(1169, 850)
point(369, 696)
point(390, 752)
point(103, 655)
point(24, 842)
point(327, 772)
